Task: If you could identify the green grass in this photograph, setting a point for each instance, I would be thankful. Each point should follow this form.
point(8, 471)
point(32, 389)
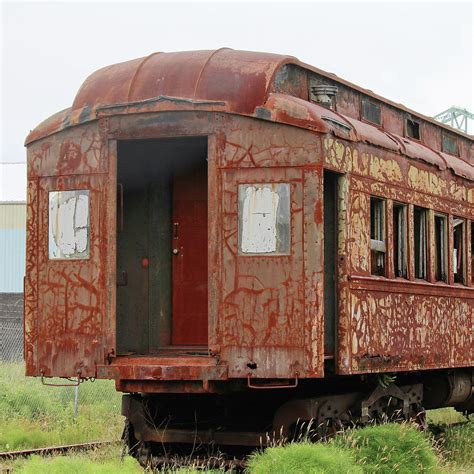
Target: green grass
point(457, 445)
point(390, 448)
point(99, 461)
point(73, 465)
point(444, 416)
point(303, 457)
point(387, 448)
point(33, 415)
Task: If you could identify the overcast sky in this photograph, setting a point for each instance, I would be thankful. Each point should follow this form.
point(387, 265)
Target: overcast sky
point(418, 54)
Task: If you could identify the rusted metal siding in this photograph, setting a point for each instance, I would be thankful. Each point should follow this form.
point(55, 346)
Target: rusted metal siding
point(270, 310)
point(266, 311)
point(283, 337)
point(66, 301)
point(388, 324)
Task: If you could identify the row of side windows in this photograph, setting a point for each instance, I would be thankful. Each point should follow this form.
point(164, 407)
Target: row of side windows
point(371, 112)
point(421, 239)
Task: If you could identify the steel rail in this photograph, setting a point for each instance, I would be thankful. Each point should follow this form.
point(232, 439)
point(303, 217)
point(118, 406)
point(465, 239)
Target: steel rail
point(54, 449)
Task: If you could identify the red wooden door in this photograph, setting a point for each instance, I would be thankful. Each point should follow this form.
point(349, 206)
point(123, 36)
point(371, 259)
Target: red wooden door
point(189, 249)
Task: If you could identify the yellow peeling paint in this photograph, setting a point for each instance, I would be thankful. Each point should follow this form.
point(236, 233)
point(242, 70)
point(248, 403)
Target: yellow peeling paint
point(338, 155)
point(360, 233)
point(457, 191)
point(361, 163)
point(426, 181)
point(385, 170)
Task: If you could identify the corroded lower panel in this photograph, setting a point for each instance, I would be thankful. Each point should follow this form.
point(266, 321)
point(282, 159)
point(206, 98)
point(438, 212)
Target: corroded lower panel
point(400, 331)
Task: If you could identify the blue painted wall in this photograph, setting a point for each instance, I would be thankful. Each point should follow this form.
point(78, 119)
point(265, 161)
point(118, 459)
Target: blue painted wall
point(12, 246)
point(12, 260)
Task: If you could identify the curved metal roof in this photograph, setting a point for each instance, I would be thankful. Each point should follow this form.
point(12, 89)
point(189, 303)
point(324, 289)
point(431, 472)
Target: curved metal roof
point(241, 78)
point(222, 80)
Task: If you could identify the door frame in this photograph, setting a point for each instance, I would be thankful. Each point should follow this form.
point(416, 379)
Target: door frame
point(188, 128)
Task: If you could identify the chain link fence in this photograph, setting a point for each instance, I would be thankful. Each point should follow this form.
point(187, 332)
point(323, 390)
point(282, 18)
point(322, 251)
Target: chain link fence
point(11, 327)
point(69, 414)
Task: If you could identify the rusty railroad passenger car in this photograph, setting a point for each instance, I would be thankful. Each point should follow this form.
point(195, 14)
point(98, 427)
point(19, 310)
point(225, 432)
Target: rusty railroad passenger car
point(241, 240)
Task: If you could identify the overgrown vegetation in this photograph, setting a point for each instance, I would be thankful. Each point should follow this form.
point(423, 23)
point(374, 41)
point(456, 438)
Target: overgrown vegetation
point(303, 457)
point(388, 448)
point(455, 442)
point(103, 460)
point(33, 415)
point(444, 416)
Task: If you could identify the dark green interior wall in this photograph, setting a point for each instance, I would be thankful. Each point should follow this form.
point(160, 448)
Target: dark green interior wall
point(159, 232)
point(132, 278)
point(330, 255)
point(146, 168)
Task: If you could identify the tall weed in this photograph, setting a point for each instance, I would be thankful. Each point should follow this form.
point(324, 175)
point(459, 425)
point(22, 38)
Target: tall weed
point(389, 448)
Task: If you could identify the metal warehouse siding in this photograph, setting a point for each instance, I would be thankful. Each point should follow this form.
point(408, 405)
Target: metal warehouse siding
point(12, 246)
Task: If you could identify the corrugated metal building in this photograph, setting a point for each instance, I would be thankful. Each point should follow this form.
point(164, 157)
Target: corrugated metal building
point(12, 226)
point(12, 246)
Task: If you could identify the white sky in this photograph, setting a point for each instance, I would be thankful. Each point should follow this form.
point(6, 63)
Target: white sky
point(12, 182)
point(418, 54)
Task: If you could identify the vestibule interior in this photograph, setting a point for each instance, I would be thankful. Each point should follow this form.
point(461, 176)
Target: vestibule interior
point(161, 244)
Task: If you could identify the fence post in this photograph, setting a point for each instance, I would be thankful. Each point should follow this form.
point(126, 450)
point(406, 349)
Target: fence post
point(76, 400)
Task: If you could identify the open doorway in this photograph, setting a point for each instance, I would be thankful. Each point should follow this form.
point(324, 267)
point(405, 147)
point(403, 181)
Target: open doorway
point(162, 294)
point(330, 262)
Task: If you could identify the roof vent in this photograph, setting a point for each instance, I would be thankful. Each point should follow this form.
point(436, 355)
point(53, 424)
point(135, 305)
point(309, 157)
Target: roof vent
point(323, 94)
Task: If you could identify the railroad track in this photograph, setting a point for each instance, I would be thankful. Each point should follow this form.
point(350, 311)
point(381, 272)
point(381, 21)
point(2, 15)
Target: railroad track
point(236, 462)
point(208, 461)
point(50, 450)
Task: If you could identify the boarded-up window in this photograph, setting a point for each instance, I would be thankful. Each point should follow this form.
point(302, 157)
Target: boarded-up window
point(449, 144)
point(459, 253)
point(420, 232)
point(69, 224)
point(377, 236)
point(413, 128)
point(371, 111)
point(264, 218)
point(400, 237)
point(441, 267)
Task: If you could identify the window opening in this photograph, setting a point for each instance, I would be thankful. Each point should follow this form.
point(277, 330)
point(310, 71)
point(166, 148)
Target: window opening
point(421, 242)
point(400, 239)
point(441, 267)
point(413, 129)
point(377, 236)
point(68, 224)
point(371, 112)
point(450, 144)
point(458, 250)
point(264, 218)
